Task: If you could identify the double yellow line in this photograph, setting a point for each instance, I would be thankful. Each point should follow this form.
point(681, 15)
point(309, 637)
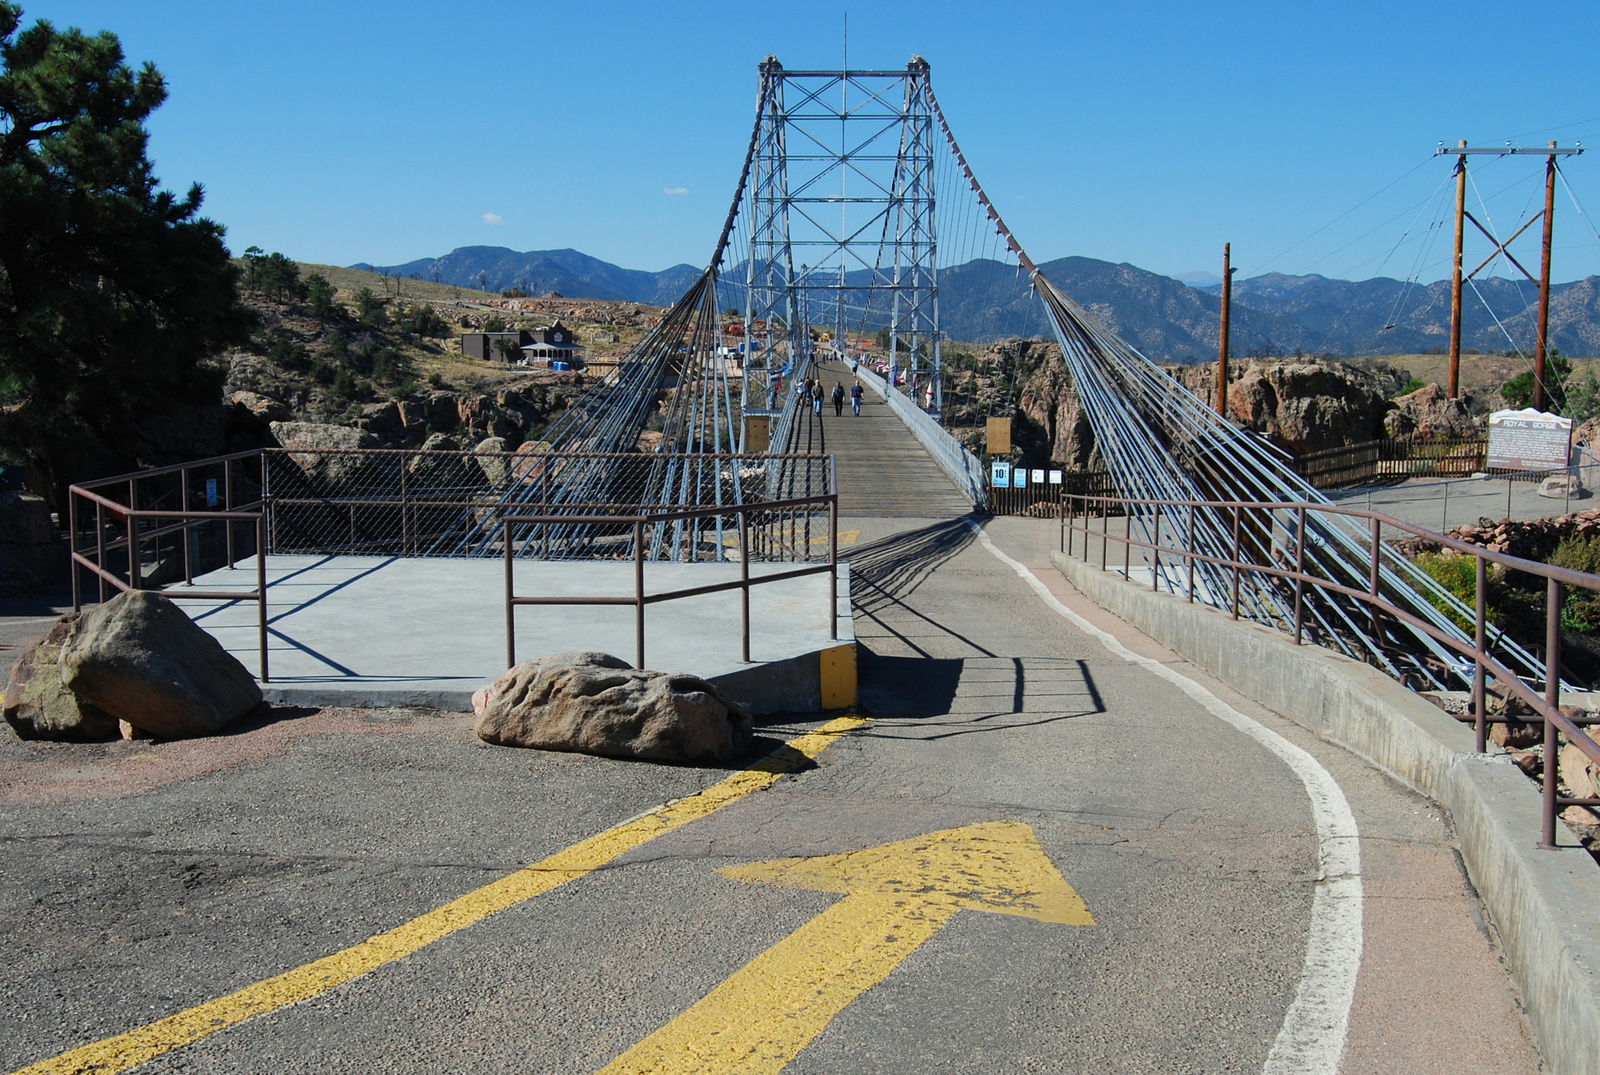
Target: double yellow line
point(151, 1040)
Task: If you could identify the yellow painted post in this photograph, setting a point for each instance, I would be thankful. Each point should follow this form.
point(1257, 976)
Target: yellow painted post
point(839, 676)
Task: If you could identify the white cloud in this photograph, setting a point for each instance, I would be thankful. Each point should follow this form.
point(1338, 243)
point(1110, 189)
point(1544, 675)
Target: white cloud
point(674, 190)
point(494, 218)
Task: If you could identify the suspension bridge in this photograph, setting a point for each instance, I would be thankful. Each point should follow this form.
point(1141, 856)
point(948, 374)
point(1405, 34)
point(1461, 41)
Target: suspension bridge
point(1178, 883)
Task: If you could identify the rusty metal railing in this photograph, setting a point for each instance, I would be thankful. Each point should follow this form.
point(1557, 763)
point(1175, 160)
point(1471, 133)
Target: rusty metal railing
point(1545, 706)
point(126, 528)
point(640, 599)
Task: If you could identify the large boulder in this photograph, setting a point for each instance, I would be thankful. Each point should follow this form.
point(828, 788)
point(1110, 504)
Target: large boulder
point(594, 703)
point(39, 706)
point(139, 658)
point(328, 456)
point(1430, 411)
point(33, 558)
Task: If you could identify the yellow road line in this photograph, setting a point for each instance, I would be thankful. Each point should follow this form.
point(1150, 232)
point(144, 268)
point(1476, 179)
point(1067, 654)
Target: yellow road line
point(151, 1040)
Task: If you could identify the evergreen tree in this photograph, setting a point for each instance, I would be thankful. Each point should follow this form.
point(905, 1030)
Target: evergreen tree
point(114, 294)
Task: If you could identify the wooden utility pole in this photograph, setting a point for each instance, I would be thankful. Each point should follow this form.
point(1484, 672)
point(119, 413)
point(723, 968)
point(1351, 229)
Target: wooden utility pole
point(1222, 347)
point(1541, 394)
point(1455, 274)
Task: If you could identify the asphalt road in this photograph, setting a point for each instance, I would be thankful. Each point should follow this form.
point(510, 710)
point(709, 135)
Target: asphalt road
point(140, 879)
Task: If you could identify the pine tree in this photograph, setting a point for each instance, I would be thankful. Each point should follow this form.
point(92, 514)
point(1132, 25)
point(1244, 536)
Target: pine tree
point(114, 294)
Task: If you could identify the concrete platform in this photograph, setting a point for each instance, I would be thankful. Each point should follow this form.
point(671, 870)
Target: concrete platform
point(384, 631)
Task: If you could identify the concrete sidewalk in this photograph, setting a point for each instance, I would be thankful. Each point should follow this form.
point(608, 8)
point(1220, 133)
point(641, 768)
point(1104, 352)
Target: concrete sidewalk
point(362, 630)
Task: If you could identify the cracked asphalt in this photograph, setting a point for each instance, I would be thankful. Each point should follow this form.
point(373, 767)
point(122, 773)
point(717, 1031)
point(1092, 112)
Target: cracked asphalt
point(138, 879)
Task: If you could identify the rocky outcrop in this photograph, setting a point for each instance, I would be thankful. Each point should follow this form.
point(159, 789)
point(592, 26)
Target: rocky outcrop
point(1429, 411)
point(325, 453)
point(39, 706)
point(139, 658)
point(594, 703)
point(1301, 406)
point(33, 558)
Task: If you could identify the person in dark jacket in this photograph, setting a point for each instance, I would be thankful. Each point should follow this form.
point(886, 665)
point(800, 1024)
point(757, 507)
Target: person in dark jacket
point(855, 399)
point(838, 399)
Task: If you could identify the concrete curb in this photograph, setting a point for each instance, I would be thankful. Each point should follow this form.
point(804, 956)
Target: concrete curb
point(1545, 904)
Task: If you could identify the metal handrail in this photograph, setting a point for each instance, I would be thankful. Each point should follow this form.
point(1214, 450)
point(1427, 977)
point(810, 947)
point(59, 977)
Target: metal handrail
point(640, 599)
point(1547, 706)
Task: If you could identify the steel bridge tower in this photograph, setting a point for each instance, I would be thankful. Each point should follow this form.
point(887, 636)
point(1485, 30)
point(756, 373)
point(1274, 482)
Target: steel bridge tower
point(842, 236)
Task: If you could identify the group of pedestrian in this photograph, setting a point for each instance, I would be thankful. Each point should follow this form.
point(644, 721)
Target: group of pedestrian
point(811, 388)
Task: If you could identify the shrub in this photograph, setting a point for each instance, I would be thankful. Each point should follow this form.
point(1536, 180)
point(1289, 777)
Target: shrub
point(1458, 574)
point(436, 379)
point(344, 386)
point(1411, 386)
point(1580, 607)
point(404, 389)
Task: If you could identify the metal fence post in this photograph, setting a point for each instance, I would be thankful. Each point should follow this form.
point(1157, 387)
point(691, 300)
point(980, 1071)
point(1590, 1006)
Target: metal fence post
point(833, 564)
point(72, 547)
point(1105, 530)
point(184, 526)
point(1299, 583)
point(1377, 545)
point(1552, 698)
point(744, 579)
point(1155, 553)
point(1127, 541)
point(638, 590)
point(1480, 637)
point(99, 551)
point(261, 593)
point(511, 622)
point(227, 506)
point(1188, 547)
point(1236, 561)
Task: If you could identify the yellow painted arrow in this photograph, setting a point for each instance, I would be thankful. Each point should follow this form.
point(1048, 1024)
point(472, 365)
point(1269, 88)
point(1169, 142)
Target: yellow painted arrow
point(898, 896)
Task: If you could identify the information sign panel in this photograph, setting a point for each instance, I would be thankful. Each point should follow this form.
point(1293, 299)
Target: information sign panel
point(1055, 477)
point(1529, 440)
point(1037, 477)
point(1019, 478)
point(211, 492)
point(1000, 475)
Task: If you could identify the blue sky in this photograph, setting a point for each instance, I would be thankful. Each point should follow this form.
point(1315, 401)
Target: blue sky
point(1141, 132)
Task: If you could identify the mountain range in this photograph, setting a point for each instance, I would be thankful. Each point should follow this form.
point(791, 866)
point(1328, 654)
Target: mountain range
point(1167, 319)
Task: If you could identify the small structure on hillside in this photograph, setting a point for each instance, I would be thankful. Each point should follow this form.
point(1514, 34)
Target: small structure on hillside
point(556, 346)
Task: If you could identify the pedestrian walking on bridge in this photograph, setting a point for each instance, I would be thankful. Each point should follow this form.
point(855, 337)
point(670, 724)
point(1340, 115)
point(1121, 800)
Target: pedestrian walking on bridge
point(838, 399)
point(816, 397)
point(855, 399)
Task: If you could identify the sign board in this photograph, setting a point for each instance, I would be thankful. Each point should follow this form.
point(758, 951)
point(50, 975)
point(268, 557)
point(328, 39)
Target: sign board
point(1055, 477)
point(1019, 478)
point(1000, 475)
point(1529, 440)
point(757, 432)
point(211, 492)
point(999, 436)
point(1037, 477)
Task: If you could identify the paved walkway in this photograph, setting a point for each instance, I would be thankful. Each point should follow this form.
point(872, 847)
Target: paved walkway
point(883, 471)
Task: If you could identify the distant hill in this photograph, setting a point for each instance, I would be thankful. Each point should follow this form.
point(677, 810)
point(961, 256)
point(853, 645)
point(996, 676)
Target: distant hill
point(536, 272)
point(1167, 319)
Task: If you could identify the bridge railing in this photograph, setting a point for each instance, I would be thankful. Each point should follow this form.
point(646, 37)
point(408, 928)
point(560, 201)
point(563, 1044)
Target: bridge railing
point(750, 535)
point(1284, 565)
point(964, 468)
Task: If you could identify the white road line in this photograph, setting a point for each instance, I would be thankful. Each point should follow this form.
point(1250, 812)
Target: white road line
point(1313, 1033)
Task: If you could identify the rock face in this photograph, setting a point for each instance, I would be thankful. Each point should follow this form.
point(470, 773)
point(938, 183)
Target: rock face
point(311, 439)
point(1429, 411)
point(33, 557)
point(38, 704)
point(1303, 406)
point(140, 659)
point(594, 703)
